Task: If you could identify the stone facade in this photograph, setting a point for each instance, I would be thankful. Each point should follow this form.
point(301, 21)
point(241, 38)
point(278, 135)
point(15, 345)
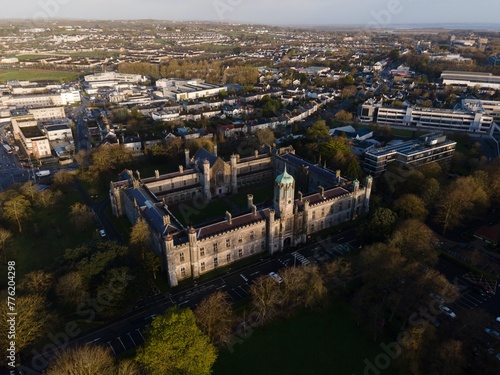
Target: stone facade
point(307, 199)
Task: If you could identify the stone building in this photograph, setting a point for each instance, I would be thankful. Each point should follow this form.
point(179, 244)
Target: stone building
point(307, 198)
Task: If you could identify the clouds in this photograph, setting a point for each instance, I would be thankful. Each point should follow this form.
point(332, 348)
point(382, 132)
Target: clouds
point(282, 12)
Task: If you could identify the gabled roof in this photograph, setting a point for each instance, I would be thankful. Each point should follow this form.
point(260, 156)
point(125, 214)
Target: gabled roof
point(203, 154)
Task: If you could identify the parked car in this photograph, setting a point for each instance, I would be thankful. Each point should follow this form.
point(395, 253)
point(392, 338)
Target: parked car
point(447, 311)
point(493, 333)
point(276, 277)
point(102, 233)
point(498, 319)
point(437, 297)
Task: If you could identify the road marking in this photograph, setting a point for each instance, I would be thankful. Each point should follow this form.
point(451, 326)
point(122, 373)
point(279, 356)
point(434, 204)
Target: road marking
point(220, 287)
point(120, 339)
point(111, 346)
point(234, 290)
point(129, 335)
point(140, 333)
point(97, 339)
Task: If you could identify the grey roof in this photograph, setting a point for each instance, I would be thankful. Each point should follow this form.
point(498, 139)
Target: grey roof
point(203, 154)
point(313, 168)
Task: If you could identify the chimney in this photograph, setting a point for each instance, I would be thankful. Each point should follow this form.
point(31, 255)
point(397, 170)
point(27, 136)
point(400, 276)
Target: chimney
point(229, 217)
point(215, 150)
point(337, 175)
point(166, 220)
point(157, 173)
point(181, 169)
point(321, 191)
point(250, 201)
point(300, 196)
point(256, 153)
point(138, 174)
point(254, 210)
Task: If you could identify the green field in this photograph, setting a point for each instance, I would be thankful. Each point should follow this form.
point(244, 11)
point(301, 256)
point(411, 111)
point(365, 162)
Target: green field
point(320, 343)
point(36, 75)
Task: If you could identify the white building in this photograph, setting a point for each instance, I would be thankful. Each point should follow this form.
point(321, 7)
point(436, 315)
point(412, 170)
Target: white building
point(181, 89)
point(471, 79)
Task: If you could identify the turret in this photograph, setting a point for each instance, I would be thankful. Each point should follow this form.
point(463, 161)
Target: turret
point(368, 191)
point(284, 187)
point(234, 173)
point(193, 252)
point(187, 158)
point(206, 180)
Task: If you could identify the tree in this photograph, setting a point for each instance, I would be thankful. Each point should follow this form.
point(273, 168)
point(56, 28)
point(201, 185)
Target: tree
point(63, 178)
point(348, 91)
point(409, 206)
point(381, 224)
point(462, 196)
point(416, 241)
point(32, 322)
point(139, 236)
point(343, 116)
point(265, 136)
point(319, 130)
point(430, 191)
point(37, 282)
point(90, 359)
point(30, 190)
point(266, 297)
point(354, 170)
point(338, 272)
point(80, 216)
point(152, 262)
point(17, 210)
point(214, 315)
point(71, 289)
point(175, 345)
point(82, 157)
point(4, 237)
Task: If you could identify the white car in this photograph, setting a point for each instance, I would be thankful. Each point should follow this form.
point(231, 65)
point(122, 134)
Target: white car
point(276, 277)
point(447, 311)
point(102, 233)
point(493, 333)
point(498, 319)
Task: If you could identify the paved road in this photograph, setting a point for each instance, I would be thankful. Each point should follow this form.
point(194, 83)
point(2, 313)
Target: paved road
point(127, 332)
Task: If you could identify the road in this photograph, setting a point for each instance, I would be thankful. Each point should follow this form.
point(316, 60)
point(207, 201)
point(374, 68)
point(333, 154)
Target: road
point(128, 331)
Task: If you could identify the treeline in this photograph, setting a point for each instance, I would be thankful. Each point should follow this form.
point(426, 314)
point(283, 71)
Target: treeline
point(212, 71)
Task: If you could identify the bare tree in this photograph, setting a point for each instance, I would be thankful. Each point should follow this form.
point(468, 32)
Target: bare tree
point(88, 359)
point(215, 317)
point(17, 210)
point(266, 297)
point(71, 288)
point(5, 234)
point(32, 322)
point(80, 216)
point(139, 236)
point(37, 282)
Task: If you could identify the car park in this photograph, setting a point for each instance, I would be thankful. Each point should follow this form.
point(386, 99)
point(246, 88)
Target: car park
point(276, 277)
point(447, 311)
point(437, 297)
point(493, 333)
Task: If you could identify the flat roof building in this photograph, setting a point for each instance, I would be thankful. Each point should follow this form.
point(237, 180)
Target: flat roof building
point(428, 148)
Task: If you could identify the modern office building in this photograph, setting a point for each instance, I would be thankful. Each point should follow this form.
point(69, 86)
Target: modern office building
point(471, 79)
point(425, 149)
point(466, 118)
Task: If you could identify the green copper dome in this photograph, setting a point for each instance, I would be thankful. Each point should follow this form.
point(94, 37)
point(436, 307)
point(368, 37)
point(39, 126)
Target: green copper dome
point(284, 178)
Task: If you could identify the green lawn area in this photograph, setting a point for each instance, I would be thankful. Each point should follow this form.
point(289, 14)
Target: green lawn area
point(188, 213)
point(47, 236)
point(36, 75)
point(323, 343)
point(34, 56)
point(260, 194)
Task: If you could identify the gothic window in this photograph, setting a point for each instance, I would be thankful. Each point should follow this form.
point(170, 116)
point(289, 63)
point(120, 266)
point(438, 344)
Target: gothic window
point(314, 215)
point(240, 239)
point(322, 212)
point(228, 258)
point(215, 247)
point(240, 253)
point(202, 266)
point(202, 252)
point(160, 188)
point(252, 249)
point(220, 178)
point(228, 243)
point(181, 257)
point(216, 262)
point(251, 235)
point(183, 272)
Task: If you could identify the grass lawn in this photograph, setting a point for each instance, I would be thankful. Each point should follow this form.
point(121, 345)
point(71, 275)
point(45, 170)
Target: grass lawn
point(36, 75)
point(323, 343)
point(188, 213)
point(47, 236)
point(260, 194)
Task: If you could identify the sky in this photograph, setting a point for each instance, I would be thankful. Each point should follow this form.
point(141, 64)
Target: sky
point(371, 13)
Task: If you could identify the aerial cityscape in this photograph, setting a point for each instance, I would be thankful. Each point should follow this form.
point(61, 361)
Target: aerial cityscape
point(233, 187)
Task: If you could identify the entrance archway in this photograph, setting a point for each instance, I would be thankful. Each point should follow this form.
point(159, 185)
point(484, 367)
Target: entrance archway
point(287, 243)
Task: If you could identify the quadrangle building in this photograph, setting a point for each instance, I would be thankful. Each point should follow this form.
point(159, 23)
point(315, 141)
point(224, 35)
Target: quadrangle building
point(307, 198)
